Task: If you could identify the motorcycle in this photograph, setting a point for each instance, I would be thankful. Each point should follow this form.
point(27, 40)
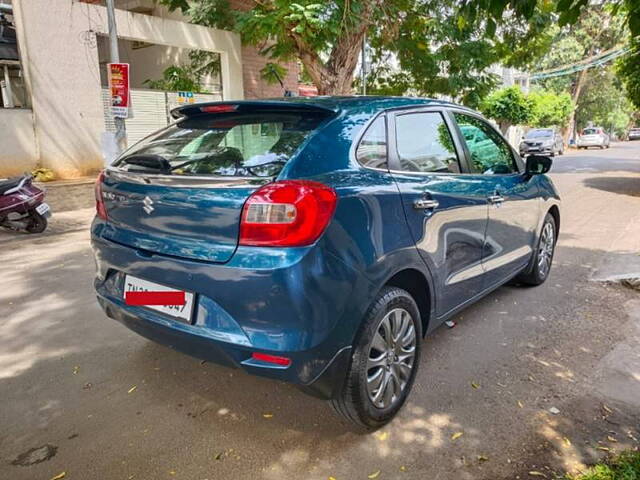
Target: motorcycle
point(21, 205)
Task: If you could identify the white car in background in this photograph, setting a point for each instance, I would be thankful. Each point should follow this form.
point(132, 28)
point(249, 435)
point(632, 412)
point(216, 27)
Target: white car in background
point(593, 137)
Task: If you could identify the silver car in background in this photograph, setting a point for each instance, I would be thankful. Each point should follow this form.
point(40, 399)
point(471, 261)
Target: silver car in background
point(634, 133)
point(593, 137)
point(542, 141)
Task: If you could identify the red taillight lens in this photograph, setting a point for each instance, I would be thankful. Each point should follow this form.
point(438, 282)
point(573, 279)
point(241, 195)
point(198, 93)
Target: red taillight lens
point(101, 210)
point(276, 360)
point(290, 213)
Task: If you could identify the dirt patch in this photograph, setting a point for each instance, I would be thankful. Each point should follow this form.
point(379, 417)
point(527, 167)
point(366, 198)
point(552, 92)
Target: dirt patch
point(35, 455)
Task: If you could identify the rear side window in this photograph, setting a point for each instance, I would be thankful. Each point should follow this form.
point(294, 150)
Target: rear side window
point(372, 149)
point(424, 144)
point(231, 144)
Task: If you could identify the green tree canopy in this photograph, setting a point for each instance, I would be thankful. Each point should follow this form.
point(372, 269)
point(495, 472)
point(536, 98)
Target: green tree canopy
point(434, 49)
point(550, 109)
point(604, 103)
point(508, 106)
point(628, 69)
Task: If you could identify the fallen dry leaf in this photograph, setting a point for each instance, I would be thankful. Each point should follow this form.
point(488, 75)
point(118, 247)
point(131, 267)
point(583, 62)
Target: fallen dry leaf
point(475, 385)
point(456, 435)
point(382, 436)
point(482, 458)
point(267, 415)
point(403, 468)
point(604, 449)
point(520, 404)
point(535, 473)
point(611, 439)
point(606, 409)
point(332, 478)
point(59, 476)
point(132, 389)
point(76, 369)
point(375, 474)
point(566, 441)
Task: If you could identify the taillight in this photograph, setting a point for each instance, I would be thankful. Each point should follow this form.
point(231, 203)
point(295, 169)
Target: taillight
point(289, 213)
point(101, 210)
point(218, 108)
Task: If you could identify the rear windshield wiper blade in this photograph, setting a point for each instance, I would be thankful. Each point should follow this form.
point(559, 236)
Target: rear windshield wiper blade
point(147, 162)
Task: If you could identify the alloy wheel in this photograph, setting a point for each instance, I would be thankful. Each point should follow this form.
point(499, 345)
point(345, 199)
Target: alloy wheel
point(391, 358)
point(545, 249)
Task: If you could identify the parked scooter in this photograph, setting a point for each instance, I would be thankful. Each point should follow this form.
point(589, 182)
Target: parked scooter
point(22, 206)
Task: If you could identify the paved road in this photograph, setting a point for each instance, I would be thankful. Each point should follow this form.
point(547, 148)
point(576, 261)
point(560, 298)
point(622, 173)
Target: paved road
point(99, 402)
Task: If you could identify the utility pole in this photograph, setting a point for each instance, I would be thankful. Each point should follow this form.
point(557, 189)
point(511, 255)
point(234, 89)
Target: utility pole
point(364, 64)
point(121, 133)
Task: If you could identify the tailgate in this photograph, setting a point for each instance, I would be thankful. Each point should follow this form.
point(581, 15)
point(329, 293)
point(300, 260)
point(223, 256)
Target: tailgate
point(180, 217)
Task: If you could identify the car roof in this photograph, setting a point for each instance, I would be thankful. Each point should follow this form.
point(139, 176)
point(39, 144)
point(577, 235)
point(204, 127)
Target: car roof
point(338, 104)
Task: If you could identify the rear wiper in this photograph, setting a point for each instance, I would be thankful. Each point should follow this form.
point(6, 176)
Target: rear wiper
point(147, 162)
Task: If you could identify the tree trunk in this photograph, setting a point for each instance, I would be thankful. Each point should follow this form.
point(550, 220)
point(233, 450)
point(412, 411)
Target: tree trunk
point(335, 77)
point(575, 96)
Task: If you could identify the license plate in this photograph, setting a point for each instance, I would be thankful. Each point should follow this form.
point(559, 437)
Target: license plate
point(42, 208)
point(182, 312)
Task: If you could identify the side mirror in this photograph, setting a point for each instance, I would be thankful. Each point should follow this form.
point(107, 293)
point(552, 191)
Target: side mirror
point(538, 164)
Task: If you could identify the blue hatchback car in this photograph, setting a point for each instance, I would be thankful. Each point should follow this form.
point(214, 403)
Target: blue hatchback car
point(317, 241)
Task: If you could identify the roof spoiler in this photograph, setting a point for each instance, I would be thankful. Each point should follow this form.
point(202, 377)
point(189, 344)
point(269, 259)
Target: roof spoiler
point(246, 105)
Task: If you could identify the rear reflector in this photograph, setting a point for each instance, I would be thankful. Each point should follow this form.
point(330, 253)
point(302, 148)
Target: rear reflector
point(154, 298)
point(219, 108)
point(276, 360)
point(101, 210)
point(289, 213)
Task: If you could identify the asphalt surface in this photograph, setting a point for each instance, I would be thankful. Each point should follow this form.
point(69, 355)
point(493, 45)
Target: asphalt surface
point(82, 395)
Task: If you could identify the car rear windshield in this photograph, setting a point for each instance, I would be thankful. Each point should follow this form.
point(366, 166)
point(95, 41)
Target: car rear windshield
point(539, 134)
point(590, 131)
point(246, 144)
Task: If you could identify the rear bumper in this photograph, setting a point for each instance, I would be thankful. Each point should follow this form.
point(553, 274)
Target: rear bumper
point(591, 143)
point(303, 304)
point(325, 384)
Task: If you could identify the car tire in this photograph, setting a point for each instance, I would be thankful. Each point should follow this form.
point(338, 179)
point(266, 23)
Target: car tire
point(540, 265)
point(380, 355)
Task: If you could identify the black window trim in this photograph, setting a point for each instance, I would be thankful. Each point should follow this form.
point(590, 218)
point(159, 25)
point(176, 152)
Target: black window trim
point(515, 155)
point(393, 160)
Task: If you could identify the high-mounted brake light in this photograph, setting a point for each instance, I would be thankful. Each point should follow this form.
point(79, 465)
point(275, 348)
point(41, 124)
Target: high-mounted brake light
point(218, 108)
point(289, 213)
point(276, 360)
point(101, 210)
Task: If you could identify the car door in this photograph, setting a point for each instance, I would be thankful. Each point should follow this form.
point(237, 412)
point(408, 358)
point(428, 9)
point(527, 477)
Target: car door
point(512, 198)
point(446, 215)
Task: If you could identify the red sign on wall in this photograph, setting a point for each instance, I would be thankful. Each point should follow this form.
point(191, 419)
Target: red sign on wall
point(118, 77)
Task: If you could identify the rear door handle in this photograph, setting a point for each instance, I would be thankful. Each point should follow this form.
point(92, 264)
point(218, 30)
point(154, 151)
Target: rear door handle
point(425, 204)
point(495, 199)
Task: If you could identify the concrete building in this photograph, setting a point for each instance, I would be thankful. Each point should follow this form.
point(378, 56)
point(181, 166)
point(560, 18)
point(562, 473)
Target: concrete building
point(58, 110)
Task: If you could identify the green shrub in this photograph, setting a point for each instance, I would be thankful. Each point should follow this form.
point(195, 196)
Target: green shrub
point(625, 466)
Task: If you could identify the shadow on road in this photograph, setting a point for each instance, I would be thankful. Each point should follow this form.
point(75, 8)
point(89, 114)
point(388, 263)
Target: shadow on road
point(117, 405)
point(620, 185)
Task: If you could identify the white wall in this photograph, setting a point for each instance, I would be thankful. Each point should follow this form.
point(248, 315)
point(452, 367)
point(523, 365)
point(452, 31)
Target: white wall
point(18, 151)
point(60, 58)
point(150, 62)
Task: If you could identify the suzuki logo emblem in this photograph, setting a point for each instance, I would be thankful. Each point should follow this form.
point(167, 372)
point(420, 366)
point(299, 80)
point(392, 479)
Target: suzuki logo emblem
point(148, 205)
